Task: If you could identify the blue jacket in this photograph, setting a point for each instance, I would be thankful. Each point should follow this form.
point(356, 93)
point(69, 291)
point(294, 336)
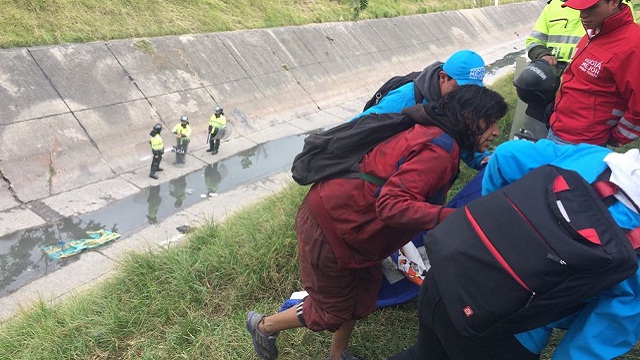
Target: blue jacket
point(403, 97)
point(609, 325)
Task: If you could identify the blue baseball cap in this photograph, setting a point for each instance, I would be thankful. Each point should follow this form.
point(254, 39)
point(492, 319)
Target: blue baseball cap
point(466, 67)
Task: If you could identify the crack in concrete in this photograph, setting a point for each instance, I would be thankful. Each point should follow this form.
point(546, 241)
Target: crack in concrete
point(91, 140)
point(52, 170)
point(298, 81)
point(233, 53)
point(188, 65)
point(136, 84)
point(12, 191)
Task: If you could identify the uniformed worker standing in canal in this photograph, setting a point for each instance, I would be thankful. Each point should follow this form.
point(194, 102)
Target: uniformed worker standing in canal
point(157, 149)
point(183, 134)
point(217, 129)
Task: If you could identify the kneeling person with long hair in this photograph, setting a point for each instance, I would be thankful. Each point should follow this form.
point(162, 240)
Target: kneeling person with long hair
point(347, 226)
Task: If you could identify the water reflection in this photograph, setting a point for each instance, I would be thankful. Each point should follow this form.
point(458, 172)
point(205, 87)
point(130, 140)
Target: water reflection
point(22, 259)
point(213, 175)
point(178, 189)
point(253, 153)
point(153, 204)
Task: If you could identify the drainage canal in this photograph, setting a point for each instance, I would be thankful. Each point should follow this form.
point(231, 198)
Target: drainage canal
point(23, 260)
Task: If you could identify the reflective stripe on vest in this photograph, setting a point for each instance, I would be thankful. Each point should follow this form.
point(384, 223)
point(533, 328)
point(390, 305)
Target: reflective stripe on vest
point(156, 142)
point(218, 122)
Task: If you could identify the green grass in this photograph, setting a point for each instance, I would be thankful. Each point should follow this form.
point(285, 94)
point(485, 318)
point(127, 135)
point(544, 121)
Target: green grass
point(45, 22)
point(184, 303)
point(189, 302)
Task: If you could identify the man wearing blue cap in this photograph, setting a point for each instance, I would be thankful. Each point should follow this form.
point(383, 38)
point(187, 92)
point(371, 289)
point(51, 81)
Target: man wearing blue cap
point(462, 68)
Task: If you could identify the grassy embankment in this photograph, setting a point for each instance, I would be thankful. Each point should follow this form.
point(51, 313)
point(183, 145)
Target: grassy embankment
point(45, 22)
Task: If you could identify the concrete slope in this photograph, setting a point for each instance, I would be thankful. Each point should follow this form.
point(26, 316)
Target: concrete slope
point(77, 114)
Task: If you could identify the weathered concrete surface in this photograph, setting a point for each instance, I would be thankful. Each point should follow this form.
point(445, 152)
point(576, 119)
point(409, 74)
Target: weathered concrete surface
point(75, 114)
point(75, 118)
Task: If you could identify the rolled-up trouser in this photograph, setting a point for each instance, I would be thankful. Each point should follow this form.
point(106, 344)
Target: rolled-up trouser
point(335, 295)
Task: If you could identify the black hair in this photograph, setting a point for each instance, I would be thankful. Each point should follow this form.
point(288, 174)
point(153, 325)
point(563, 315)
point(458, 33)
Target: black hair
point(471, 110)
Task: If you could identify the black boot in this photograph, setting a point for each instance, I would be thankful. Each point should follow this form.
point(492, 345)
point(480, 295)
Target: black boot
point(153, 176)
point(209, 149)
point(159, 169)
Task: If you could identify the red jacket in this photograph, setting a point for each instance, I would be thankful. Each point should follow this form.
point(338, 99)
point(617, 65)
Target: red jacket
point(362, 229)
point(599, 99)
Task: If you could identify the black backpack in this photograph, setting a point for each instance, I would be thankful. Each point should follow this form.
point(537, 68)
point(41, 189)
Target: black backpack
point(336, 153)
point(392, 84)
point(527, 254)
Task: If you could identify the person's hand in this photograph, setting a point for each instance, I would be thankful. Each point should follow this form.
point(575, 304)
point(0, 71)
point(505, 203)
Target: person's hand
point(550, 59)
point(485, 160)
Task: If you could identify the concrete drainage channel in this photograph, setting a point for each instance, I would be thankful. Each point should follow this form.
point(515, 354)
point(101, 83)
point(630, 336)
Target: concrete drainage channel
point(148, 217)
point(23, 257)
point(25, 261)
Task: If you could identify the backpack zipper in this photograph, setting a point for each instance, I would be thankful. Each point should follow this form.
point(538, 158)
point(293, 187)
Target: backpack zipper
point(551, 254)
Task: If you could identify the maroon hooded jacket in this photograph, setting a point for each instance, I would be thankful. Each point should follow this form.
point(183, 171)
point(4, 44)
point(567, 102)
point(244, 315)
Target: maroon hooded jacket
point(363, 228)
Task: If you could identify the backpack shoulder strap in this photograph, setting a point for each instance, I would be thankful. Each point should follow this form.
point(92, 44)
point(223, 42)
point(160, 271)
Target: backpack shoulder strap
point(390, 85)
point(606, 189)
point(634, 238)
point(444, 140)
point(372, 179)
